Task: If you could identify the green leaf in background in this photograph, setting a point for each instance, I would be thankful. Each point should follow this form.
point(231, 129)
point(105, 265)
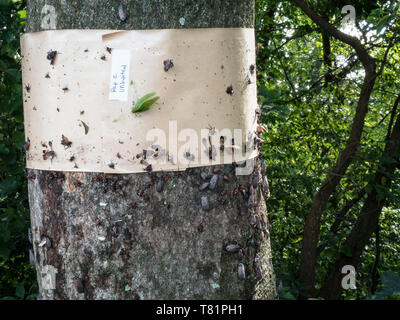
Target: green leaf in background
point(20, 290)
point(390, 288)
point(384, 22)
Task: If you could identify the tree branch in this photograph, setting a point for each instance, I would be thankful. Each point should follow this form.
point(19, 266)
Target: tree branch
point(320, 201)
point(367, 61)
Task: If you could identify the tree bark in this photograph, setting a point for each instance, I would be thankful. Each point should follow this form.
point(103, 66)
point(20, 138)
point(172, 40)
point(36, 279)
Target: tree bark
point(157, 245)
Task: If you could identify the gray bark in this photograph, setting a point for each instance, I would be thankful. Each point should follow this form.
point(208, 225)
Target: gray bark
point(157, 245)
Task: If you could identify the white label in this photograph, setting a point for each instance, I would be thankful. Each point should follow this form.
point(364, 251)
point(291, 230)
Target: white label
point(119, 82)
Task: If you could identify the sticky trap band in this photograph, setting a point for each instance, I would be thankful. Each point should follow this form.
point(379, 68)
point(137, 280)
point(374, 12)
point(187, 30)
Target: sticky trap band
point(79, 88)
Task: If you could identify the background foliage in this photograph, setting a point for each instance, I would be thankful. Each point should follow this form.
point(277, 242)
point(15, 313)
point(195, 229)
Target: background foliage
point(17, 276)
point(308, 108)
point(309, 119)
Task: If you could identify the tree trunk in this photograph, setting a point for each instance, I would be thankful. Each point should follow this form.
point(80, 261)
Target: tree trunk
point(159, 245)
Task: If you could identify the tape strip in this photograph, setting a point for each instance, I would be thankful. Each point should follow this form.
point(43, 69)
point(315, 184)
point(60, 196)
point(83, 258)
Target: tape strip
point(81, 85)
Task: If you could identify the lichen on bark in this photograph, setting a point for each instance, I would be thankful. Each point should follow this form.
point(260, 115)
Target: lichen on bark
point(120, 236)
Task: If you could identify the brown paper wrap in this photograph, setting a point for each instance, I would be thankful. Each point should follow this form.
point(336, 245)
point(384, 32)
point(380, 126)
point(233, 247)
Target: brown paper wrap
point(70, 98)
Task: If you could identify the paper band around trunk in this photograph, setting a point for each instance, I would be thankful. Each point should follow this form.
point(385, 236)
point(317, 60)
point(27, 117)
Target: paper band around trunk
point(72, 125)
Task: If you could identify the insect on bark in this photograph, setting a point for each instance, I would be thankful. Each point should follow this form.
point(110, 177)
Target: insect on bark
point(122, 12)
point(241, 271)
point(204, 203)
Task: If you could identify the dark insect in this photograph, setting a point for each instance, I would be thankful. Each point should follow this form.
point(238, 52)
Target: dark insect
point(77, 183)
point(111, 165)
point(159, 185)
point(253, 220)
point(255, 181)
point(240, 255)
point(204, 186)
point(86, 50)
point(65, 89)
point(251, 201)
point(27, 144)
point(252, 68)
point(241, 271)
point(28, 88)
point(65, 142)
point(149, 168)
point(49, 154)
point(103, 57)
point(122, 12)
point(31, 176)
point(168, 64)
point(213, 182)
point(144, 154)
point(47, 75)
point(200, 228)
point(204, 203)
point(229, 90)
point(189, 156)
point(221, 143)
point(265, 185)
point(58, 109)
point(119, 156)
point(109, 50)
point(232, 248)
point(79, 285)
point(263, 167)
point(82, 112)
point(51, 55)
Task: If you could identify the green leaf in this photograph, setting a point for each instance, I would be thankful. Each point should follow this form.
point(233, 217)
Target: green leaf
point(145, 102)
point(346, 251)
point(22, 14)
point(383, 23)
point(20, 290)
point(148, 103)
